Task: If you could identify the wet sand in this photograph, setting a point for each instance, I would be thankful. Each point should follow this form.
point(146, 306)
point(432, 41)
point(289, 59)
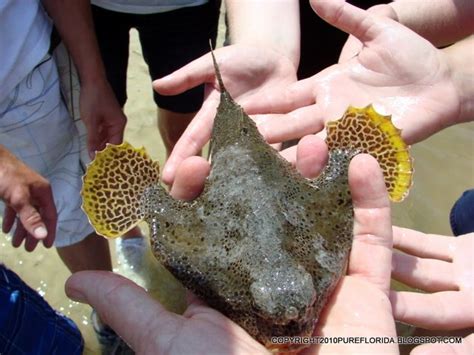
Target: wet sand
point(444, 168)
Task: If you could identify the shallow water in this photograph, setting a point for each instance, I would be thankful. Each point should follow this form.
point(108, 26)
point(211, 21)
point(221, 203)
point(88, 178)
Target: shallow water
point(444, 166)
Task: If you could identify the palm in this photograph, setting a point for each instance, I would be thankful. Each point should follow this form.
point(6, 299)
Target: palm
point(398, 71)
point(366, 315)
point(246, 71)
point(197, 324)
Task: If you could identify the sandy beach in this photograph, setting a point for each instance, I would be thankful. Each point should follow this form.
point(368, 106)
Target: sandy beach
point(444, 167)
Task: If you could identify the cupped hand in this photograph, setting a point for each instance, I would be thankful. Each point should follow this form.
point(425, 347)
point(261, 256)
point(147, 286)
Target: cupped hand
point(29, 202)
point(396, 69)
point(102, 115)
point(358, 307)
point(246, 71)
point(441, 266)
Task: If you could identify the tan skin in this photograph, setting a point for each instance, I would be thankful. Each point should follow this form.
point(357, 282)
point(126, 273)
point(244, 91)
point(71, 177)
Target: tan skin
point(29, 200)
point(171, 126)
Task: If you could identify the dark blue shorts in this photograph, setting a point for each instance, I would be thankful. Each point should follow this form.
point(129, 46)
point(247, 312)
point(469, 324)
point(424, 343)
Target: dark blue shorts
point(29, 325)
point(462, 214)
point(169, 41)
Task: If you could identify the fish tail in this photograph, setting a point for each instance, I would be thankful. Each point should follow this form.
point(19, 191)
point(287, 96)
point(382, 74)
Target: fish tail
point(217, 71)
point(366, 131)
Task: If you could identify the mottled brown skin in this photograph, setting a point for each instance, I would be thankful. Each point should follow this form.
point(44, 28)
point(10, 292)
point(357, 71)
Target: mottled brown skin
point(262, 244)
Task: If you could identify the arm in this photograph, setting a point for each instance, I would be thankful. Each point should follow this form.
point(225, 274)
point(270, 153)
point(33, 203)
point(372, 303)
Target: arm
point(460, 57)
point(28, 197)
point(102, 115)
point(271, 24)
point(442, 22)
point(73, 20)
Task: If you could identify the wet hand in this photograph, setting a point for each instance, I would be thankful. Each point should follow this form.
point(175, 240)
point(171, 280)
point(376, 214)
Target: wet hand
point(102, 116)
point(397, 70)
point(441, 266)
point(246, 71)
point(29, 201)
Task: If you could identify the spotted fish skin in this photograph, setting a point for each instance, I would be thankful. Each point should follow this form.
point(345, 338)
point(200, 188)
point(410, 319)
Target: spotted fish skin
point(262, 244)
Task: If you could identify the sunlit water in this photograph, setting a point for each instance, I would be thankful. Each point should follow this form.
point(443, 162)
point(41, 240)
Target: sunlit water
point(444, 166)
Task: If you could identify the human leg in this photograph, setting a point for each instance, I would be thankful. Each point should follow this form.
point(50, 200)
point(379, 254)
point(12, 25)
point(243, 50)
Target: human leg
point(91, 253)
point(171, 126)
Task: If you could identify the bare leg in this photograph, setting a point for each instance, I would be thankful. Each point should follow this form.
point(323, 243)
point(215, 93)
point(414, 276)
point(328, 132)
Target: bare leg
point(171, 126)
point(92, 253)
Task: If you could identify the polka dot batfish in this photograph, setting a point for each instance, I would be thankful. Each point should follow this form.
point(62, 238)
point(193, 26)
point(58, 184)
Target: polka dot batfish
point(262, 244)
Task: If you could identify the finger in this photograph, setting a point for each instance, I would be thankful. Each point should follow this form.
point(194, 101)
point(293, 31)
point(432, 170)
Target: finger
point(19, 235)
point(193, 74)
point(277, 128)
point(465, 347)
point(290, 154)
point(448, 310)
point(194, 137)
point(423, 245)
point(279, 100)
point(190, 178)
point(30, 243)
point(311, 156)
point(124, 306)
point(115, 132)
point(93, 143)
point(9, 217)
point(371, 253)
point(44, 196)
point(32, 221)
point(424, 274)
point(347, 18)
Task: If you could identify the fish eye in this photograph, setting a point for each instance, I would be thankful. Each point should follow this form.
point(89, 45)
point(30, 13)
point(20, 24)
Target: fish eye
point(291, 313)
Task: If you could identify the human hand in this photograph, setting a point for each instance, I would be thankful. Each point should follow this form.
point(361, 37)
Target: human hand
point(397, 70)
point(149, 328)
point(443, 267)
point(102, 115)
point(246, 72)
point(28, 196)
point(353, 46)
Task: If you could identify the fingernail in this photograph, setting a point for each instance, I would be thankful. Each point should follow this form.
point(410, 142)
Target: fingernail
point(40, 233)
point(76, 295)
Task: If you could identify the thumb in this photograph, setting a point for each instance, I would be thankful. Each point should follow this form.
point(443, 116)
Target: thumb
point(32, 221)
point(371, 253)
point(125, 307)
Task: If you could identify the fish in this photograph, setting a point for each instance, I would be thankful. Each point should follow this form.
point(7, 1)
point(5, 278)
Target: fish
point(262, 244)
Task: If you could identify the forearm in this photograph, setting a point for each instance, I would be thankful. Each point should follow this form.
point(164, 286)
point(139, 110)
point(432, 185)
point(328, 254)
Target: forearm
point(266, 23)
point(73, 21)
point(460, 58)
point(442, 22)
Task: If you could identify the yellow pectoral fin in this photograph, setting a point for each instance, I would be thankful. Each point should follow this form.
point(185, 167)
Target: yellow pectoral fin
point(366, 131)
point(113, 186)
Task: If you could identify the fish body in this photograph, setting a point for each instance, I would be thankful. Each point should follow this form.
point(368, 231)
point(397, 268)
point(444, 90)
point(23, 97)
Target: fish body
point(262, 244)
